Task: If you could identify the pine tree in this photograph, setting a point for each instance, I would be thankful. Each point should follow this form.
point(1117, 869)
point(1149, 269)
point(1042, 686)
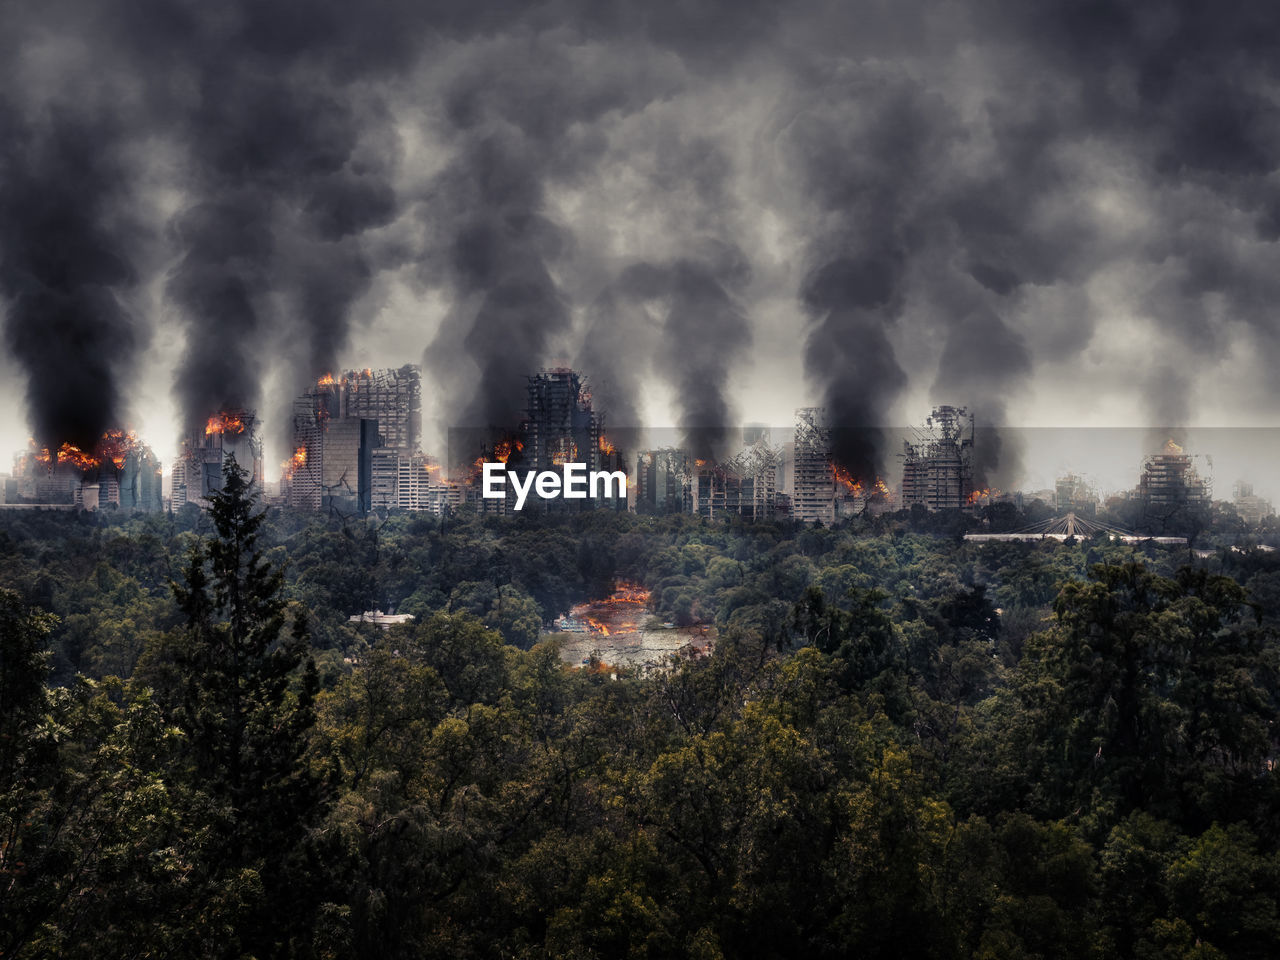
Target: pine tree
point(246, 707)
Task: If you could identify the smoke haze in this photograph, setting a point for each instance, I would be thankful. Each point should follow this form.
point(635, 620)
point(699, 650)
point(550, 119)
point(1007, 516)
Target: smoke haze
point(1023, 211)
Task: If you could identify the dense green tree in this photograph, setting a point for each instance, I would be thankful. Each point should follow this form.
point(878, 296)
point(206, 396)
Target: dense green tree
point(245, 704)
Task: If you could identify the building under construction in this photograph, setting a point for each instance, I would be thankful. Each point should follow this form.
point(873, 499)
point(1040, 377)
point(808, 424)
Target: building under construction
point(198, 469)
point(813, 485)
point(743, 486)
point(1170, 480)
point(937, 462)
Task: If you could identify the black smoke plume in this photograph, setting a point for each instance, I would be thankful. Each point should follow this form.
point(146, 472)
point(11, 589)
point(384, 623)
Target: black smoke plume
point(66, 233)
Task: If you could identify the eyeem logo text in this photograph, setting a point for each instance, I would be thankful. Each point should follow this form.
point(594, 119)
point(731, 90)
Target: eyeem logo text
point(572, 482)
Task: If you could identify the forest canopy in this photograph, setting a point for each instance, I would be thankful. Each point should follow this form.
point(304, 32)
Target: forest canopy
point(900, 743)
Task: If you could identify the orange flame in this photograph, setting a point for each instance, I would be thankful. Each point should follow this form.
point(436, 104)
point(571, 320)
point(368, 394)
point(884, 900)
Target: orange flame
point(503, 450)
point(114, 447)
point(565, 454)
point(844, 477)
point(295, 463)
point(224, 422)
point(607, 448)
point(325, 381)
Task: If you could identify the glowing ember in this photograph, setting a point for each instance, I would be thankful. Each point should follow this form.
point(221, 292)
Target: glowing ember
point(224, 423)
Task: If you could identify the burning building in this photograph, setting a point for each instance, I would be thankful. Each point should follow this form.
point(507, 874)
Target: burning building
point(350, 435)
point(206, 450)
point(120, 471)
point(937, 464)
point(1170, 479)
point(560, 427)
point(392, 398)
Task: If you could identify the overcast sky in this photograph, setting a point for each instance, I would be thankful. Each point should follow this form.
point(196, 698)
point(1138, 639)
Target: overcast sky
point(1055, 214)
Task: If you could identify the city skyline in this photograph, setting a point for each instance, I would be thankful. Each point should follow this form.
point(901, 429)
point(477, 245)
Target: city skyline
point(1108, 460)
point(1058, 219)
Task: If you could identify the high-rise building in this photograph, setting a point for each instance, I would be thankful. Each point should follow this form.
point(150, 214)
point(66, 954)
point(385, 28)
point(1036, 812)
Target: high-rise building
point(560, 427)
point(662, 481)
point(205, 451)
point(350, 435)
point(391, 397)
point(937, 468)
point(1170, 479)
point(813, 479)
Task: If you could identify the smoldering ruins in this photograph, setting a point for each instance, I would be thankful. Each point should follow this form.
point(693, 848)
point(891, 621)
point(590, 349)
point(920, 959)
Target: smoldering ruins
point(724, 212)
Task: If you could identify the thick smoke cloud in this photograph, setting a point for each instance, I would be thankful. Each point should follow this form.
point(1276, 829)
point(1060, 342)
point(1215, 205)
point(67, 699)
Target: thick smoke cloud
point(981, 203)
point(272, 235)
point(65, 274)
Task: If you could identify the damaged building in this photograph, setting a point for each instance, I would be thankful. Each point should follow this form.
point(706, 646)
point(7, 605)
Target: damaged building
point(121, 473)
point(560, 426)
point(198, 469)
point(1170, 479)
point(745, 485)
point(937, 462)
point(351, 434)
